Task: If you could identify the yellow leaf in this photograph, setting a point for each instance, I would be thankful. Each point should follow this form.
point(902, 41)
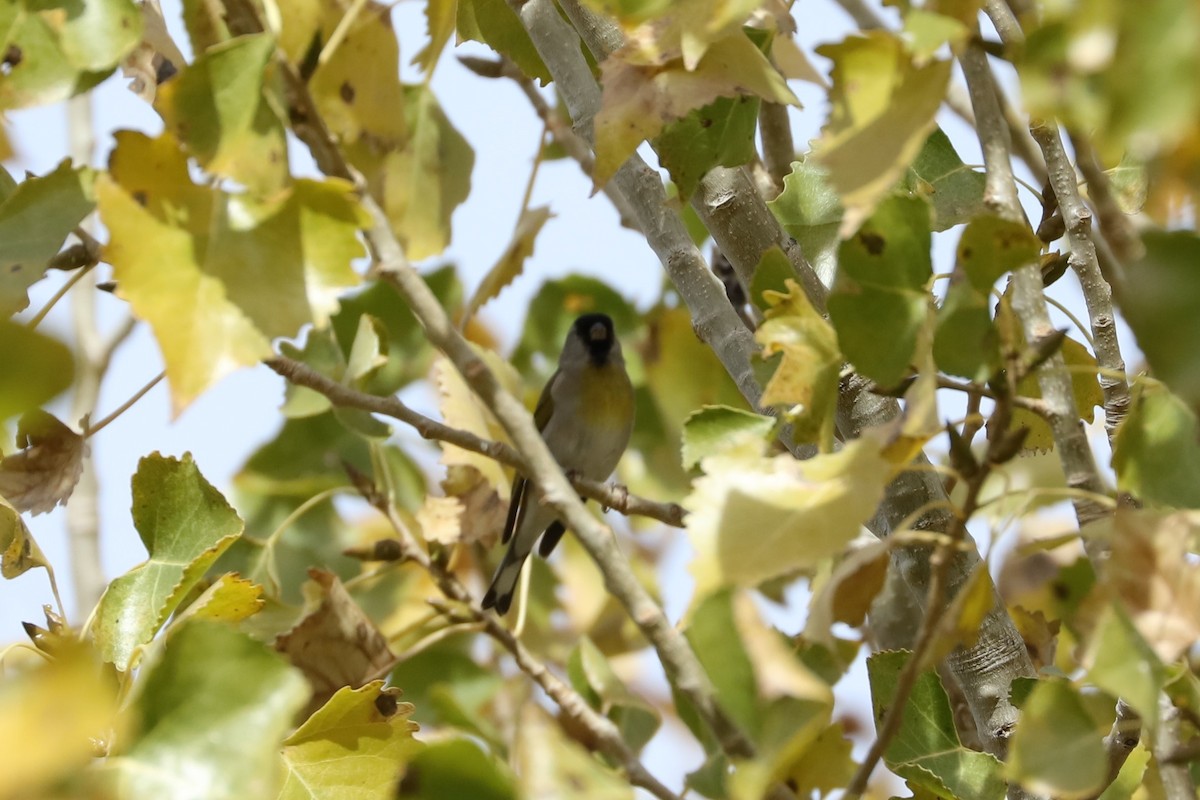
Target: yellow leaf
point(230, 599)
point(19, 553)
point(512, 260)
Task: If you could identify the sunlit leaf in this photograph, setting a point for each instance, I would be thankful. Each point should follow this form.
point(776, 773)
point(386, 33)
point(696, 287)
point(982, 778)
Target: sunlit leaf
point(230, 599)
point(508, 267)
point(991, 246)
point(714, 430)
point(806, 380)
point(810, 211)
point(1155, 452)
point(216, 107)
point(752, 519)
point(440, 20)
point(721, 134)
point(210, 717)
point(847, 593)
point(216, 274)
point(879, 301)
point(185, 525)
point(1122, 664)
point(686, 29)
point(1057, 748)
point(355, 745)
point(52, 55)
point(939, 175)
point(1085, 386)
point(639, 99)
point(35, 220)
point(926, 750)
point(19, 553)
point(494, 23)
point(883, 108)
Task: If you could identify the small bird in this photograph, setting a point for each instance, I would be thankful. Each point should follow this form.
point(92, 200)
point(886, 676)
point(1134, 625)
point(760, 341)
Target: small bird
point(585, 415)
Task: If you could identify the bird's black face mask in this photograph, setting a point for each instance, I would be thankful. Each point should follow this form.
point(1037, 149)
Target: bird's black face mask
point(596, 333)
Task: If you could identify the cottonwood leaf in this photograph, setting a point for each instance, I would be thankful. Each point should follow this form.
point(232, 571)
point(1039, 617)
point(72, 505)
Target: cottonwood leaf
point(440, 519)
point(1057, 748)
point(44, 472)
point(966, 342)
point(231, 598)
point(36, 368)
point(421, 184)
point(719, 134)
point(991, 247)
point(185, 525)
point(806, 379)
point(53, 55)
point(456, 769)
point(217, 108)
point(811, 212)
point(879, 303)
point(1155, 578)
point(639, 99)
point(354, 745)
point(440, 19)
point(210, 715)
point(939, 175)
point(35, 220)
point(50, 717)
point(1160, 305)
point(846, 595)
point(593, 677)
point(447, 687)
point(217, 275)
point(686, 29)
point(494, 23)
point(19, 553)
point(1085, 386)
point(551, 764)
point(1121, 663)
point(508, 267)
point(335, 644)
point(711, 628)
point(752, 519)
point(715, 430)
point(1155, 451)
point(883, 109)
point(926, 750)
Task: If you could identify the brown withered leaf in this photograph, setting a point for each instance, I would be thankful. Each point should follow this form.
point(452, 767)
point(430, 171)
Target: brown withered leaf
point(847, 595)
point(1150, 571)
point(481, 509)
point(156, 58)
point(335, 644)
point(43, 474)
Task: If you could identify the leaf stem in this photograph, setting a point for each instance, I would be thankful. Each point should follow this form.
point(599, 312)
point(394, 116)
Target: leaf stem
point(59, 295)
point(91, 430)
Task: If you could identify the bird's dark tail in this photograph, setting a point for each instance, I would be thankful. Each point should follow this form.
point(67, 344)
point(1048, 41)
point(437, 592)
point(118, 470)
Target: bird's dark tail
point(500, 594)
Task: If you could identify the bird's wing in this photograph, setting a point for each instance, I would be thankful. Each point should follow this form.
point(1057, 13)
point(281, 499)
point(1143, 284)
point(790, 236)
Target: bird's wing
point(541, 417)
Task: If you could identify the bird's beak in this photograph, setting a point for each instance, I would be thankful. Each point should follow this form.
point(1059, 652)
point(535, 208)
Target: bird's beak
point(597, 333)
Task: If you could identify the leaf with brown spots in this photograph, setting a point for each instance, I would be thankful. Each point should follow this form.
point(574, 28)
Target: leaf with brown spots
point(19, 553)
point(335, 644)
point(43, 474)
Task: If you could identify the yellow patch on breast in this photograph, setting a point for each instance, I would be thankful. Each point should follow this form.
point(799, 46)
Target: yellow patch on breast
point(607, 396)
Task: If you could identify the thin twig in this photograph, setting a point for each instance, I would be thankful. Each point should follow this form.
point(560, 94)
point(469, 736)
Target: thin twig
point(121, 409)
point(341, 395)
point(59, 295)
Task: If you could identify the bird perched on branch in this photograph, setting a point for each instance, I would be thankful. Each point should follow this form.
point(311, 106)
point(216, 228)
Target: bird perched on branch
point(585, 415)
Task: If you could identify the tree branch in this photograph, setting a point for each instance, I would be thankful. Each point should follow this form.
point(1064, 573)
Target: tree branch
point(778, 149)
point(602, 733)
point(608, 496)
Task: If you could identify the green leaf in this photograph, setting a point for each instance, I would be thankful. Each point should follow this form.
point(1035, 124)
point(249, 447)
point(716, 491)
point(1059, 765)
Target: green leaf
point(447, 687)
point(55, 50)
point(456, 769)
point(966, 342)
point(1057, 748)
point(216, 107)
point(421, 184)
point(217, 275)
point(991, 247)
point(806, 380)
point(593, 677)
point(1122, 664)
point(772, 274)
point(211, 715)
point(550, 764)
point(1155, 452)
point(926, 750)
point(508, 267)
point(753, 518)
point(1129, 779)
point(36, 369)
point(409, 354)
point(954, 189)
point(715, 430)
point(494, 23)
point(355, 745)
point(721, 134)
point(640, 99)
point(185, 525)
point(711, 630)
point(19, 553)
point(811, 212)
point(35, 220)
point(1160, 300)
point(883, 109)
point(1085, 385)
point(879, 301)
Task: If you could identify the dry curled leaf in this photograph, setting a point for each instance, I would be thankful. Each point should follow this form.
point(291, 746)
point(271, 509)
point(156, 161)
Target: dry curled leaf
point(156, 58)
point(335, 644)
point(44, 473)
